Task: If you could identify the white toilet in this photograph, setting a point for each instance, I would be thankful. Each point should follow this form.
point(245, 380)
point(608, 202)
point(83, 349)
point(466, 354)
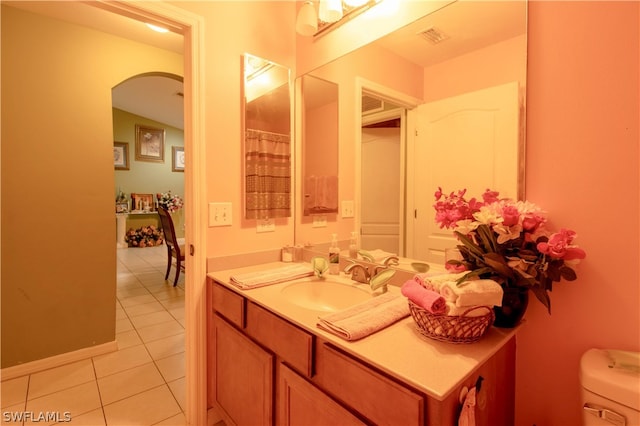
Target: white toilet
point(610, 395)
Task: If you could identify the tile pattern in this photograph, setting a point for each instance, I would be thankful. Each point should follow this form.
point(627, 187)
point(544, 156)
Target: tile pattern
point(142, 383)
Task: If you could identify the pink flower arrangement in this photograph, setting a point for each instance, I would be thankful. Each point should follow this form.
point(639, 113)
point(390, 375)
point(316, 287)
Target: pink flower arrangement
point(508, 241)
point(169, 201)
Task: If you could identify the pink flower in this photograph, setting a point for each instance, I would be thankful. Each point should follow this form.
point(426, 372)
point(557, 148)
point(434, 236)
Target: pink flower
point(532, 221)
point(559, 246)
point(490, 196)
point(510, 215)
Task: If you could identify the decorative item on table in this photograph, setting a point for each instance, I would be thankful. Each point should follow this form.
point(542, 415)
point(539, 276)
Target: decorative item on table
point(122, 206)
point(509, 242)
point(146, 236)
point(445, 312)
point(172, 203)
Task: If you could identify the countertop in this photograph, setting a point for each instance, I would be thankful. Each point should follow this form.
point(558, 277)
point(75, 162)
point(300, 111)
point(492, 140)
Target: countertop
point(436, 368)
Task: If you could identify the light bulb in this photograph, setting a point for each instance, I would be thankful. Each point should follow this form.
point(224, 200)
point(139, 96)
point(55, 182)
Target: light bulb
point(330, 10)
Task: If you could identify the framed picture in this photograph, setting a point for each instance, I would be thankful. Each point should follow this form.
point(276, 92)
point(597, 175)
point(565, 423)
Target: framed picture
point(149, 144)
point(122, 207)
point(177, 164)
point(121, 155)
point(142, 202)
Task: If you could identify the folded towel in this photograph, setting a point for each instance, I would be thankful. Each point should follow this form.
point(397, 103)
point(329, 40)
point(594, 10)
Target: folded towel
point(365, 318)
point(271, 276)
point(423, 280)
point(467, 311)
point(426, 299)
point(478, 292)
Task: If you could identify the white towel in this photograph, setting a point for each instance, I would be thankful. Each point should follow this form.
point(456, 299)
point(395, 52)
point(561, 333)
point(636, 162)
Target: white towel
point(448, 291)
point(271, 276)
point(456, 311)
point(478, 292)
point(378, 255)
point(365, 318)
point(436, 281)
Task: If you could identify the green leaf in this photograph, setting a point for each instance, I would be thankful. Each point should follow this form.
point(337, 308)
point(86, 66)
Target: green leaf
point(542, 296)
point(499, 264)
point(469, 244)
point(568, 273)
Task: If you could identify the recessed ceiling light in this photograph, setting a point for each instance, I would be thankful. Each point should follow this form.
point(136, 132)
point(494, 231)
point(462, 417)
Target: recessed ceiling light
point(157, 28)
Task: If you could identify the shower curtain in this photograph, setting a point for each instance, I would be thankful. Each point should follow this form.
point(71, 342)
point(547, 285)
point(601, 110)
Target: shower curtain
point(267, 175)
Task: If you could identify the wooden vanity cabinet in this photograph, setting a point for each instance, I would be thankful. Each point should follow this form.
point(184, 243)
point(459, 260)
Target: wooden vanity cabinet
point(242, 376)
point(301, 403)
point(264, 370)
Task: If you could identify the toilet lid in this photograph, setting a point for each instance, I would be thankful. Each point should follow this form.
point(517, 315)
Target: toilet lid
point(616, 384)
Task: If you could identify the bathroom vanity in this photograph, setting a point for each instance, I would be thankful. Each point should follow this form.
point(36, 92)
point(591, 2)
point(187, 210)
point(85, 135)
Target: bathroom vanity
point(268, 364)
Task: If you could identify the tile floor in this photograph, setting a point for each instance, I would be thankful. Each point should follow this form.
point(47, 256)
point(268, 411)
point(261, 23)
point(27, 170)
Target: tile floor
point(140, 384)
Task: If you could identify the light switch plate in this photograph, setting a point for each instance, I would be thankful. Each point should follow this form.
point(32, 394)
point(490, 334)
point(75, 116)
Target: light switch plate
point(219, 214)
point(265, 225)
point(319, 221)
point(347, 208)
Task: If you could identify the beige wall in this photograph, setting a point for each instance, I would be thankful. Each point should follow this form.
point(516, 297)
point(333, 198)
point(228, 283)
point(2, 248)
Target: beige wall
point(232, 28)
point(58, 224)
point(145, 177)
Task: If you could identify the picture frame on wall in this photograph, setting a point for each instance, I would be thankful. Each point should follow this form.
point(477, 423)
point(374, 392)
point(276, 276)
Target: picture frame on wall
point(121, 155)
point(149, 144)
point(177, 155)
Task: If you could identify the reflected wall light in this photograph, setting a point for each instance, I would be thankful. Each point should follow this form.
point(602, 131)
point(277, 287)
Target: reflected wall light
point(307, 21)
point(331, 14)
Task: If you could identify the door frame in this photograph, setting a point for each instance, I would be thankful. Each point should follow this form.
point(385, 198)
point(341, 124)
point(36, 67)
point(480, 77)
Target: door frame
point(191, 26)
point(405, 101)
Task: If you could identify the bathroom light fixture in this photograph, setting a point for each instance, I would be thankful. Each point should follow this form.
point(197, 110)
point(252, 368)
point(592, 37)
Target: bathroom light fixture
point(307, 21)
point(330, 10)
point(330, 14)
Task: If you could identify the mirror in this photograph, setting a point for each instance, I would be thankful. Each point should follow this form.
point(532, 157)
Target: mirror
point(463, 48)
point(319, 127)
point(267, 139)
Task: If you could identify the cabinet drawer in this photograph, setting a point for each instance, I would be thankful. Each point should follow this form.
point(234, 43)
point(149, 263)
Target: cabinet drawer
point(228, 304)
point(382, 400)
point(285, 339)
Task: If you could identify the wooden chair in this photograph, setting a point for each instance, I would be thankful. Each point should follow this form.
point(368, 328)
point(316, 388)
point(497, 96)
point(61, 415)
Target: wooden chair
point(174, 250)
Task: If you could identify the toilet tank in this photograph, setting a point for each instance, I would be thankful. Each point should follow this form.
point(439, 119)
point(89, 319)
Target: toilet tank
point(610, 387)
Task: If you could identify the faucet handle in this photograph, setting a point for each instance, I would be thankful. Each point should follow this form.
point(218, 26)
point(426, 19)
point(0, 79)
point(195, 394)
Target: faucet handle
point(391, 261)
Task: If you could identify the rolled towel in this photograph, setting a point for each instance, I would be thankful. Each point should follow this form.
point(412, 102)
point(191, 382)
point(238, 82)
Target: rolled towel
point(436, 281)
point(478, 292)
point(456, 311)
point(447, 290)
point(426, 299)
point(423, 280)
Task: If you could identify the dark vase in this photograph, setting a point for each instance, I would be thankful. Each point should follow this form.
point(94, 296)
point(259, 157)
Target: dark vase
point(514, 305)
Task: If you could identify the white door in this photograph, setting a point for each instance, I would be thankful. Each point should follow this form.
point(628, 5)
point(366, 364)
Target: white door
point(469, 141)
point(380, 215)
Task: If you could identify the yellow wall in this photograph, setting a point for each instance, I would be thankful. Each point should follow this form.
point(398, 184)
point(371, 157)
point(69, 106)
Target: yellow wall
point(58, 224)
point(144, 177)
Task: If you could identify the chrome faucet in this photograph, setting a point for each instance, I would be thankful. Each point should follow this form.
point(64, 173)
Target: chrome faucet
point(358, 272)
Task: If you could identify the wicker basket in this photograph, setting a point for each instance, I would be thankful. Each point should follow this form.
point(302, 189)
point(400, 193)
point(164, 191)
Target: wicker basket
point(454, 329)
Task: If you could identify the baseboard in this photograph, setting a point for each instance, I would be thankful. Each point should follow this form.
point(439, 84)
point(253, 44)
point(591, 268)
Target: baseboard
point(57, 360)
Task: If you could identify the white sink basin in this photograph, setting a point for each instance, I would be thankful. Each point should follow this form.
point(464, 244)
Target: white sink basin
point(324, 295)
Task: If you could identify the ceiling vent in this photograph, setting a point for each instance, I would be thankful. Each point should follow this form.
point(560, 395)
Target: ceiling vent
point(371, 104)
point(433, 35)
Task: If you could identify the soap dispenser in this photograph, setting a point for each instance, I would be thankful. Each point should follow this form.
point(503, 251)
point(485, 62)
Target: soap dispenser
point(334, 255)
point(353, 246)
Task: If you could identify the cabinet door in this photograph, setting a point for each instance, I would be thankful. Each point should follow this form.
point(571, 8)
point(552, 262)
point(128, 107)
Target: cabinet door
point(301, 403)
point(243, 377)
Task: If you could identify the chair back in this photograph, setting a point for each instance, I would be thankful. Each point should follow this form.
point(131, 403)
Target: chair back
point(169, 231)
